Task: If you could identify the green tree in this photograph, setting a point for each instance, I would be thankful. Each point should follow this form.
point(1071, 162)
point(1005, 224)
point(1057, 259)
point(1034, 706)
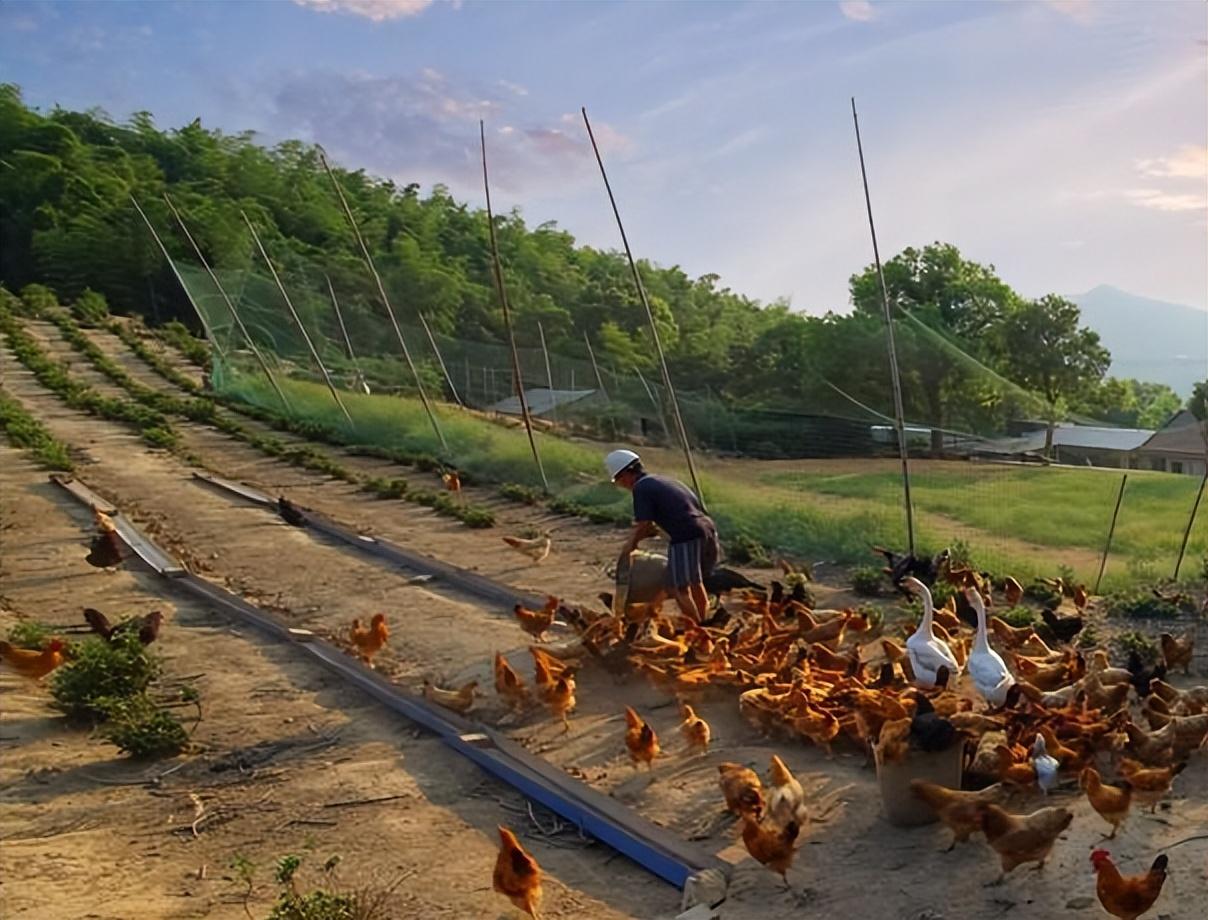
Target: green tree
point(1045, 349)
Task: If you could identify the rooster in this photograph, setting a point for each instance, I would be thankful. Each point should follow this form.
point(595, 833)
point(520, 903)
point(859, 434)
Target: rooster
point(370, 640)
point(536, 549)
point(31, 664)
point(517, 876)
point(1127, 897)
point(147, 626)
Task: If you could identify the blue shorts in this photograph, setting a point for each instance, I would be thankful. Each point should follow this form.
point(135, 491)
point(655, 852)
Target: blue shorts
point(688, 563)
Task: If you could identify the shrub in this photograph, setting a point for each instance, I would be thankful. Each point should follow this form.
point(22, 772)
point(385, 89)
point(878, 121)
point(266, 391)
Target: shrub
point(90, 308)
point(1132, 641)
point(178, 336)
point(140, 728)
point(746, 550)
point(37, 299)
point(867, 580)
point(518, 493)
point(26, 432)
point(1019, 616)
point(1142, 604)
point(1043, 594)
point(101, 672)
point(29, 634)
point(158, 436)
point(386, 488)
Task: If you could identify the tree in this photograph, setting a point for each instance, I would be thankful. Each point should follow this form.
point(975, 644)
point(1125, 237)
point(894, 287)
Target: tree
point(1044, 349)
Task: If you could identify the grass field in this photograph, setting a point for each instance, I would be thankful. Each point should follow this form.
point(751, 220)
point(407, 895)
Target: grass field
point(1025, 520)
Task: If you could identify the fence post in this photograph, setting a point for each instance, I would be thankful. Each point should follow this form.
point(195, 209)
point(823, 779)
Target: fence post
point(1191, 520)
point(1111, 531)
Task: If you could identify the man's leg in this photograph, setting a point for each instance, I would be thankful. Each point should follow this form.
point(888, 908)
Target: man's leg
point(700, 597)
point(684, 562)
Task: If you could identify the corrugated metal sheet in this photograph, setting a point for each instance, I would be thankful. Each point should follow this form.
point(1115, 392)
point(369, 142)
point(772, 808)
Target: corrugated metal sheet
point(1084, 436)
point(541, 400)
point(1180, 435)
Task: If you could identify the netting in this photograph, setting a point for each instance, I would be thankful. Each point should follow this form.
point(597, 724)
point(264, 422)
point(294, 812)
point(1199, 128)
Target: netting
point(814, 473)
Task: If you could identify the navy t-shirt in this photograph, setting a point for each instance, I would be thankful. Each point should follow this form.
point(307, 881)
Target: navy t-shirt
point(671, 505)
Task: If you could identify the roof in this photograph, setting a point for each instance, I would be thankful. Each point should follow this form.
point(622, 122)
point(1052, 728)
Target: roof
point(541, 400)
point(1180, 435)
point(1083, 436)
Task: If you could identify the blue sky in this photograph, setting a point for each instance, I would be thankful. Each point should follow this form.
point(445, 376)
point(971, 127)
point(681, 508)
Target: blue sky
point(1066, 142)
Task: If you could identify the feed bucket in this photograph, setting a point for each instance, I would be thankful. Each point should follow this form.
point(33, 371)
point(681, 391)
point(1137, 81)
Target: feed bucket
point(641, 578)
point(902, 808)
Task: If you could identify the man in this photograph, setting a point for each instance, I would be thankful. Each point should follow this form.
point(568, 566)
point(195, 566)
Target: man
point(661, 502)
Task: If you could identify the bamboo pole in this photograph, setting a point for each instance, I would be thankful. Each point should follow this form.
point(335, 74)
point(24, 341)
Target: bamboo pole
point(549, 377)
point(297, 319)
point(439, 359)
point(507, 315)
point(181, 281)
point(229, 305)
point(895, 379)
point(1111, 530)
point(356, 231)
point(364, 386)
point(658, 405)
point(1190, 521)
point(595, 367)
point(658, 345)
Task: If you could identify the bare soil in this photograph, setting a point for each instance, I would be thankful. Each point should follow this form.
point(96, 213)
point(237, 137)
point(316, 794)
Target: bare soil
point(57, 821)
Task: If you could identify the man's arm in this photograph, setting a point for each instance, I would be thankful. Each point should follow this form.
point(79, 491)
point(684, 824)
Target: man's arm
point(641, 530)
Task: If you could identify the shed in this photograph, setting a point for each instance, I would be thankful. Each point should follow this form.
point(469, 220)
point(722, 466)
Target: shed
point(1179, 446)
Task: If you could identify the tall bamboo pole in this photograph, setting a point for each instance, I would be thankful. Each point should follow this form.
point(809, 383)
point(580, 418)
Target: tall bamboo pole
point(352, 356)
point(356, 230)
point(895, 379)
point(595, 367)
point(1190, 521)
point(229, 304)
point(439, 359)
point(1111, 532)
point(297, 319)
point(658, 345)
point(507, 315)
point(181, 281)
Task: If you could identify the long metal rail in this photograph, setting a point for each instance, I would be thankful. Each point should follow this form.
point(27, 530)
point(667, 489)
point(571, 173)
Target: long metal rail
point(651, 847)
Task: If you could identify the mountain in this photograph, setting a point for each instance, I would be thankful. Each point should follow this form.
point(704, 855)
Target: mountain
point(1150, 340)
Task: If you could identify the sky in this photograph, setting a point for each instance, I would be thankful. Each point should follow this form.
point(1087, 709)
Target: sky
point(1064, 142)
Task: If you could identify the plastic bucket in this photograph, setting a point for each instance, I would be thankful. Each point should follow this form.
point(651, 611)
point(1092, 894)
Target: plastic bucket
point(902, 808)
point(641, 578)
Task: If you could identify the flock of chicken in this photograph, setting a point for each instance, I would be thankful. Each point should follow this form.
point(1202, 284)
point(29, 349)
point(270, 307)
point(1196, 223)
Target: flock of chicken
point(1032, 716)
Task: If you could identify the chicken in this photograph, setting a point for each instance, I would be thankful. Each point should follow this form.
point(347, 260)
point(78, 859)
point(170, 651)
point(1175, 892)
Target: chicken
point(1149, 784)
point(1020, 839)
point(640, 739)
point(536, 549)
point(509, 684)
point(1013, 769)
point(294, 515)
point(900, 567)
point(105, 551)
point(695, 730)
point(1012, 590)
point(104, 523)
point(741, 788)
point(772, 845)
point(1064, 628)
point(1080, 597)
point(1177, 652)
point(1127, 897)
point(957, 809)
point(147, 626)
point(560, 697)
point(459, 700)
point(1111, 802)
point(786, 798)
point(517, 876)
point(370, 640)
point(452, 482)
point(31, 664)
point(536, 622)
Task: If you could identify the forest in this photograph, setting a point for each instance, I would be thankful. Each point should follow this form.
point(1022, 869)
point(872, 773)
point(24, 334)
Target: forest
point(974, 354)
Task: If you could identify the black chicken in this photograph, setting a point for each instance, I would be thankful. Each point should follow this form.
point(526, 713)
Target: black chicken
point(1064, 628)
point(105, 550)
point(1142, 673)
point(901, 566)
point(723, 580)
point(147, 626)
point(930, 731)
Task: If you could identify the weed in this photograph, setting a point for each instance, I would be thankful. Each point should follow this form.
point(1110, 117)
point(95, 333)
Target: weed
point(26, 432)
point(90, 308)
point(1126, 643)
point(29, 634)
point(101, 672)
point(744, 549)
point(156, 436)
point(867, 580)
point(1043, 594)
point(1142, 604)
point(515, 492)
point(1019, 616)
point(137, 726)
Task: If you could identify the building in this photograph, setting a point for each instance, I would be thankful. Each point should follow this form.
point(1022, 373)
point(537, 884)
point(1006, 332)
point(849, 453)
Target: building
point(1083, 445)
point(1176, 447)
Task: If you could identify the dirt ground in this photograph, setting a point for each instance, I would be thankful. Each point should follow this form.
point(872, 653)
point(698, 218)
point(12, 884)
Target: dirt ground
point(60, 813)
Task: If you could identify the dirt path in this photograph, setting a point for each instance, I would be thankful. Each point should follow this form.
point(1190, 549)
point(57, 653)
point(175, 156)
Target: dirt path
point(82, 838)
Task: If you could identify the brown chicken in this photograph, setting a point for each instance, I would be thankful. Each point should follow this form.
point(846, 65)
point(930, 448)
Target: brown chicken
point(31, 664)
point(1149, 784)
point(1080, 597)
point(772, 845)
point(370, 640)
point(459, 700)
point(509, 684)
point(742, 789)
point(451, 482)
point(1020, 839)
point(1014, 768)
point(1111, 802)
point(957, 809)
point(695, 730)
point(640, 739)
point(147, 626)
point(786, 798)
point(105, 551)
point(560, 697)
point(536, 622)
point(1012, 590)
point(536, 549)
point(1178, 652)
point(1069, 758)
point(517, 876)
point(1127, 897)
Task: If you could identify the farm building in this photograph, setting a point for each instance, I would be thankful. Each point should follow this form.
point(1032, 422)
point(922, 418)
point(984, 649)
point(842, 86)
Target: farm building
point(1176, 447)
point(1083, 445)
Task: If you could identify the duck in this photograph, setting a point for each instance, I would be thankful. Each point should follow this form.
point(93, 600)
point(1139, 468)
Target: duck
point(1045, 765)
point(986, 667)
point(928, 654)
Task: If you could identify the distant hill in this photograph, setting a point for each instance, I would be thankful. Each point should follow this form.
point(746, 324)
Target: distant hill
point(1149, 339)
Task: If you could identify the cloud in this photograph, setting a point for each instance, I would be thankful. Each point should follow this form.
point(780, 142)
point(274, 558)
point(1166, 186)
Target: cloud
point(1188, 162)
point(423, 127)
point(375, 10)
point(514, 88)
point(1158, 200)
point(859, 10)
point(1081, 11)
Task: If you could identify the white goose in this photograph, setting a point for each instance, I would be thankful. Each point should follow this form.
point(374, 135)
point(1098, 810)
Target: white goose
point(986, 667)
point(1045, 765)
point(927, 653)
